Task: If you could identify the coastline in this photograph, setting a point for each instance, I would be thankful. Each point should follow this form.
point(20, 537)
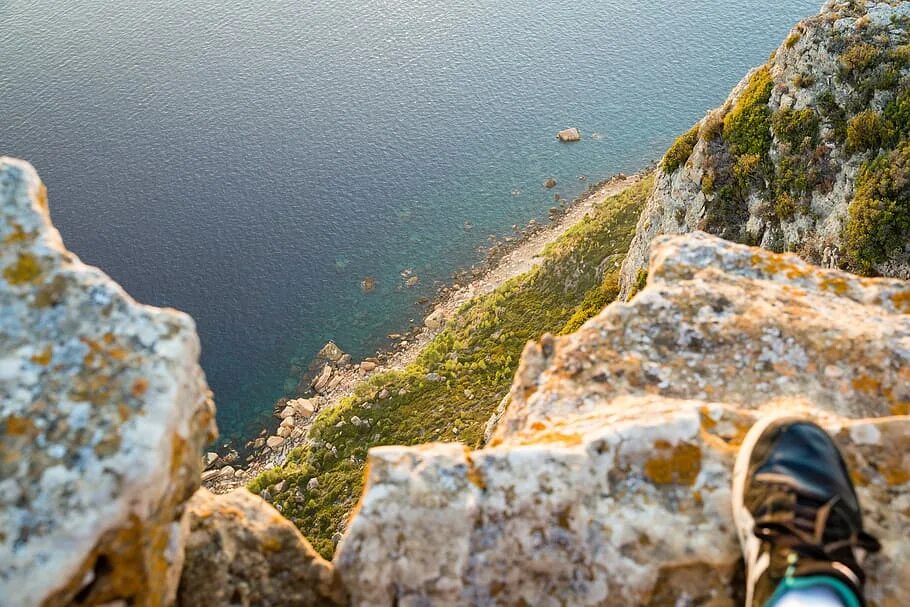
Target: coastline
point(504, 261)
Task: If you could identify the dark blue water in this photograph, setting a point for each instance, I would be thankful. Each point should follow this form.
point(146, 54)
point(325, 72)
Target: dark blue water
point(250, 162)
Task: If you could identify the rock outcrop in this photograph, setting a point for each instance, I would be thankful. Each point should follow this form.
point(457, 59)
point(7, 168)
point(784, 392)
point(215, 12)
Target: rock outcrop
point(809, 153)
point(104, 412)
point(242, 553)
point(607, 481)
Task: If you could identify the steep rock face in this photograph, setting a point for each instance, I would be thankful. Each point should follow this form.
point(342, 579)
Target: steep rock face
point(241, 552)
point(808, 154)
point(104, 411)
point(607, 481)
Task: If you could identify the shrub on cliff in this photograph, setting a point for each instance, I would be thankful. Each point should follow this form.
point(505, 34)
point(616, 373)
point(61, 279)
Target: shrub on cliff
point(680, 151)
point(879, 216)
point(747, 126)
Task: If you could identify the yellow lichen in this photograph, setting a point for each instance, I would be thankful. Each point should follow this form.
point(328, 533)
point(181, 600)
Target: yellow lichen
point(901, 301)
point(26, 270)
point(43, 358)
point(678, 465)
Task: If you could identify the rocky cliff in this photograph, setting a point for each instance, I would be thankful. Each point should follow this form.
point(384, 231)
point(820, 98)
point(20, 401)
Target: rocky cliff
point(606, 478)
point(810, 153)
point(607, 481)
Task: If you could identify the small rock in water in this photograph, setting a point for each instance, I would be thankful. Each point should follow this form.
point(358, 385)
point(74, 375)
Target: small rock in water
point(569, 135)
point(368, 284)
point(549, 183)
point(412, 281)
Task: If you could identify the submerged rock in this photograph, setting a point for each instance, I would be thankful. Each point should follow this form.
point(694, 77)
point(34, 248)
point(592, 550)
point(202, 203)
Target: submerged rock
point(242, 552)
point(607, 480)
point(104, 413)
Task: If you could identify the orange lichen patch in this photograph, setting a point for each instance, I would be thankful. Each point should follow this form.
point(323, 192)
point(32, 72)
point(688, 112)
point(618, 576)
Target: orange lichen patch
point(41, 197)
point(272, 544)
point(26, 270)
point(707, 422)
point(44, 357)
point(865, 383)
point(139, 387)
point(123, 411)
point(108, 446)
point(178, 453)
point(17, 235)
point(859, 479)
point(779, 264)
point(901, 408)
point(538, 426)
point(678, 467)
point(835, 284)
point(901, 302)
point(20, 426)
point(895, 476)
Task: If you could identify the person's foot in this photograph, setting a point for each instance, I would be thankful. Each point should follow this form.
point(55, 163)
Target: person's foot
point(796, 511)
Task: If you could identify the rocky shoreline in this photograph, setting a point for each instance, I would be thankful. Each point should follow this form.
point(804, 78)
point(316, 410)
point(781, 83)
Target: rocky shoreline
point(333, 375)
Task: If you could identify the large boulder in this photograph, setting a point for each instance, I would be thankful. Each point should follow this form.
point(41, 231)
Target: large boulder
point(242, 553)
point(607, 480)
point(104, 412)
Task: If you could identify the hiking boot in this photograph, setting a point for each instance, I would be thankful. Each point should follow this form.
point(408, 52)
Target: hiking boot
point(797, 514)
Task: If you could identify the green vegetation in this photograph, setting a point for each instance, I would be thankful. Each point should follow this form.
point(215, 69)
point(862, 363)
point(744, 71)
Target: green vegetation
point(747, 125)
point(795, 126)
point(792, 39)
point(867, 131)
point(680, 151)
point(879, 216)
point(475, 357)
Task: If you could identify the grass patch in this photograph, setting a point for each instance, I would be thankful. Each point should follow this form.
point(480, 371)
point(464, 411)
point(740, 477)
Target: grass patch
point(747, 126)
point(476, 357)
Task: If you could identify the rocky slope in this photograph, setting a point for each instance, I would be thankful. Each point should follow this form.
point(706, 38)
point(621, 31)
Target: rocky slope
point(607, 481)
point(810, 153)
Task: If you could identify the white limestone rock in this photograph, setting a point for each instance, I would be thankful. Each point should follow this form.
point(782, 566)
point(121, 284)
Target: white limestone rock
point(104, 413)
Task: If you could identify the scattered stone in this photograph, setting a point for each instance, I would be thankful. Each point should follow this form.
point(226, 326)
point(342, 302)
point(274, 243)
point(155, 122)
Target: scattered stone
point(279, 487)
point(436, 320)
point(549, 183)
point(239, 473)
point(411, 281)
point(104, 414)
point(336, 538)
point(383, 394)
point(434, 377)
point(367, 366)
point(210, 458)
point(321, 383)
point(283, 431)
point(259, 443)
point(569, 135)
point(312, 484)
point(287, 422)
point(231, 457)
point(226, 471)
point(240, 551)
point(356, 421)
point(345, 360)
point(288, 411)
point(273, 442)
point(302, 407)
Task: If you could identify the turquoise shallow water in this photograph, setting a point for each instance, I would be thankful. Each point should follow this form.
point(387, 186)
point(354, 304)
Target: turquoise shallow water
point(251, 162)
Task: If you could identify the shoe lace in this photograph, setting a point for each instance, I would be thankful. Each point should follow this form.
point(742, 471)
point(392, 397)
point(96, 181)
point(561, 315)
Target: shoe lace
point(814, 529)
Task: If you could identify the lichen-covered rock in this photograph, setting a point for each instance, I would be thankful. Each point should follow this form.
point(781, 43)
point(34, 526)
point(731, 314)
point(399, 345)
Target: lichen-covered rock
point(607, 480)
point(242, 553)
point(104, 412)
point(809, 153)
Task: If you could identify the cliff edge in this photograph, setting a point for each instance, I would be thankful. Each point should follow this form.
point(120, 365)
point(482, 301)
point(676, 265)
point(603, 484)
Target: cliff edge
point(607, 481)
